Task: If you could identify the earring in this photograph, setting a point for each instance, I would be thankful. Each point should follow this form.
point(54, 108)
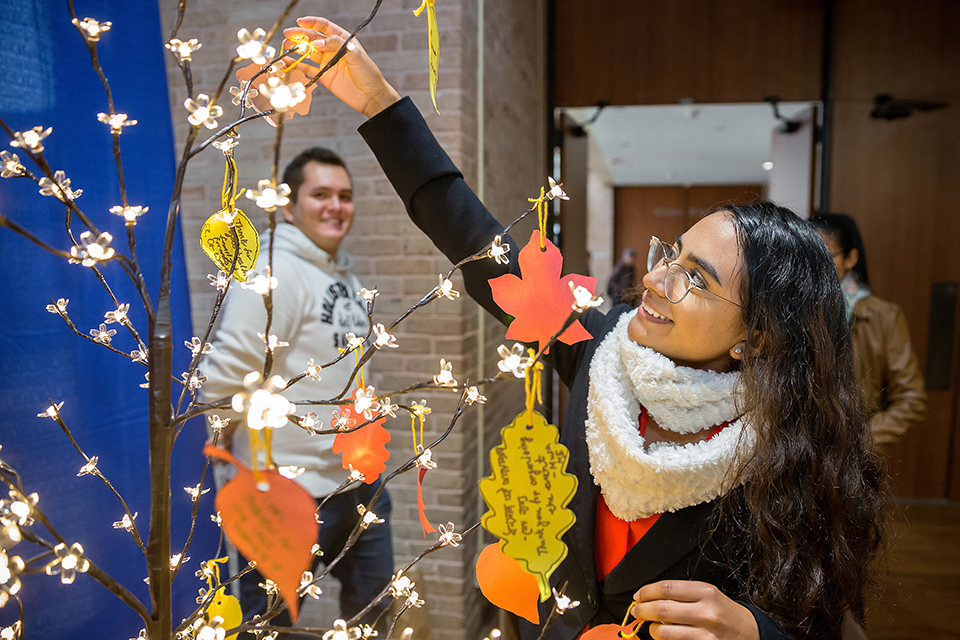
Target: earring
point(738, 351)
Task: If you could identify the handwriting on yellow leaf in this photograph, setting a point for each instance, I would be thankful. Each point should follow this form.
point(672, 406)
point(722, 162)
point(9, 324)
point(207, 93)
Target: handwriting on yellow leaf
point(527, 495)
point(233, 249)
point(433, 32)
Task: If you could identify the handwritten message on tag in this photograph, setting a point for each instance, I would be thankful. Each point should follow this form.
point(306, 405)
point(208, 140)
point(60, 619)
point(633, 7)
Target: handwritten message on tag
point(276, 527)
point(222, 245)
point(527, 495)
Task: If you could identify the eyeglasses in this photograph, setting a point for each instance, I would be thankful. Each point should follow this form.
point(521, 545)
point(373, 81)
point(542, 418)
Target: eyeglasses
point(679, 281)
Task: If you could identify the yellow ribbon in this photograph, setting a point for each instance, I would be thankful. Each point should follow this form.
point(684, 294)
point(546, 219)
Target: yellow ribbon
point(228, 195)
point(532, 383)
point(538, 204)
point(635, 624)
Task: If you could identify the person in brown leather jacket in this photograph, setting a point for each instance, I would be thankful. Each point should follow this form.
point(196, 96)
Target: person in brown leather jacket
point(893, 387)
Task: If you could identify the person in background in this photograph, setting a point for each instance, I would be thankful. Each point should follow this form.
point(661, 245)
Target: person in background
point(316, 303)
point(893, 389)
point(623, 275)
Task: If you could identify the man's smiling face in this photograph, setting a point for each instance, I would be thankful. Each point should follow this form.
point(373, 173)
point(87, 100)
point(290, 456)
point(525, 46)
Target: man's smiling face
point(323, 209)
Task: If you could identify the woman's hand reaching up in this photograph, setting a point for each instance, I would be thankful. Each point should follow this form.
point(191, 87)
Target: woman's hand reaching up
point(355, 79)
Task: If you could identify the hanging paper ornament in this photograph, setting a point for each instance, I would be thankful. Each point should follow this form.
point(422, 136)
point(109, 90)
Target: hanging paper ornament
point(610, 632)
point(505, 583)
point(363, 449)
point(223, 605)
point(271, 522)
point(529, 490)
point(620, 631)
point(228, 237)
point(540, 301)
point(433, 34)
point(424, 522)
point(225, 242)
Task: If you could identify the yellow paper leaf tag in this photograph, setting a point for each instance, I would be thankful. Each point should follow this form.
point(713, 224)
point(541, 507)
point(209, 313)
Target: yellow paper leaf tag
point(221, 245)
point(228, 608)
point(433, 32)
point(527, 495)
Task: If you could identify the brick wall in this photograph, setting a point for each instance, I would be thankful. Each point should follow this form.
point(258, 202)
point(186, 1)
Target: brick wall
point(390, 253)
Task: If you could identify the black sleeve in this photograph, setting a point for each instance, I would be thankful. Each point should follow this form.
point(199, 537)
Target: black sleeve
point(443, 206)
point(769, 630)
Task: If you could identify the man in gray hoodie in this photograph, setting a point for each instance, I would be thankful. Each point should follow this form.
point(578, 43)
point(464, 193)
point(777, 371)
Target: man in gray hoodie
point(316, 303)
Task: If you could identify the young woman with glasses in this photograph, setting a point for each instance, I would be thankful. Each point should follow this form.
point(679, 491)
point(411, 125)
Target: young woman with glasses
point(727, 486)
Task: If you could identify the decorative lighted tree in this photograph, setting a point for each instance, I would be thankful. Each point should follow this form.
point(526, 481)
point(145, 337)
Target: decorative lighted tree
point(272, 86)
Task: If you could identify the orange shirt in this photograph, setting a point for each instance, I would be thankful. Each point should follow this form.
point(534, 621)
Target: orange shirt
point(613, 537)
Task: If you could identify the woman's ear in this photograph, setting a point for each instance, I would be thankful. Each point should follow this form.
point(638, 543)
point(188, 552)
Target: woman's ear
point(736, 351)
point(850, 260)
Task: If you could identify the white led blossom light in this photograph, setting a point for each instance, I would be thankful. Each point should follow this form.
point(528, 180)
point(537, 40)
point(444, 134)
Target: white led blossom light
point(260, 283)
point(252, 47)
point(59, 187)
point(129, 213)
point(445, 377)
point(202, 112)
point(556, 190)
point(512, 360)
point(68, 561)
point(282, 96)
point(263, 407)
point(32, 139)
point(445, 289)
point(498, 250)
point(92, 29)
point(11, 166)
point(268, 197)
point(183, 50)
point(92, 250)
point(382, 338)
point(116, 121)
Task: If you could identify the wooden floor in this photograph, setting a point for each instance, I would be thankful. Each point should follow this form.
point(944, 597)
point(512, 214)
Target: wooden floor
point(919, 595)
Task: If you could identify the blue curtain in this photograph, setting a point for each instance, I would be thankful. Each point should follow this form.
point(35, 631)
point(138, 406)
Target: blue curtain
point(48, 80)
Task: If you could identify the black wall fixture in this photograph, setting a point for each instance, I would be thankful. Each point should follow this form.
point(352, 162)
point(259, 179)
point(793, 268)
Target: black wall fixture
point(886, 107)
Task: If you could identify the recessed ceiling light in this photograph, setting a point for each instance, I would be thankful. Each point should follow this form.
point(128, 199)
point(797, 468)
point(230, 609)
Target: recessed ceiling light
point(767, 166)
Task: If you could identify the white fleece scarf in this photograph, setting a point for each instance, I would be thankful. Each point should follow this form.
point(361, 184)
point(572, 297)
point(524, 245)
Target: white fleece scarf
point(636, 481)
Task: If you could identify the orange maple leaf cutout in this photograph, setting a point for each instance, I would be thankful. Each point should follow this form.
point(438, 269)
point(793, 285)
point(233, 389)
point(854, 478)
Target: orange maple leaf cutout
point(541, 300)
point(363, 449)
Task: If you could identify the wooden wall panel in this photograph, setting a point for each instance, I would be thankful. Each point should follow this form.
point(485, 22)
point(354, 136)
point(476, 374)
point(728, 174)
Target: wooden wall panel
point(653, 52)
point(666, 212)
point(899, 180)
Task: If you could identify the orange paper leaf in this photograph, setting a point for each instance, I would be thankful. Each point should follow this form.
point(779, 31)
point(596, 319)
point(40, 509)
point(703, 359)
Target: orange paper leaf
point(363, 449)
point(610, 632)
point(262, 103)
point(541, 300)
point(505, 584)
point(275, 527)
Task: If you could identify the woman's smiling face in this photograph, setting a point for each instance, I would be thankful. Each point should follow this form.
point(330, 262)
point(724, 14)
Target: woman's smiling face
point(700, 331)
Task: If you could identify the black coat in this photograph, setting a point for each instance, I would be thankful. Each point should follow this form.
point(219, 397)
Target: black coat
point(441, 204)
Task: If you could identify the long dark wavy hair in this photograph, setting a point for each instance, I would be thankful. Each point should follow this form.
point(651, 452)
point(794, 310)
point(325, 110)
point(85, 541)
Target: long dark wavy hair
point(806, 521)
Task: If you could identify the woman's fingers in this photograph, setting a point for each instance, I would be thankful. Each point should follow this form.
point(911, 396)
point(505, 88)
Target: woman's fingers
point(322, 24)
point(686, 609)
point(672, 612)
